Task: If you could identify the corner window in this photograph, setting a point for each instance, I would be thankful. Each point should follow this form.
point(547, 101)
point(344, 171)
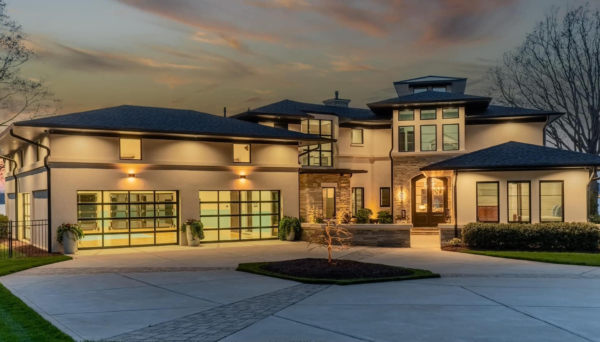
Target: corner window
point(450, 113)
point(357, 136)
point(384, 197)
point(406, 139)
point(519, 202)
point(451, 138)
point(241, 153)
point(439, 89)
point(429, 138)
point(488, 197)
point(358, 200)
point(552, 201)
point(321, 154)
point(419, 90)
point(428, 114)
point(406, 115)
point(131, 148)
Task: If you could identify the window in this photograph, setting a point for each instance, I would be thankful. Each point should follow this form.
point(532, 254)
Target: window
point(358, 200)
point(357, 136)
point(384, 197)
point(429, 138)
point(450, 113)
point(27, 215)
point(519, 202)
point(428, 114)
point(329, 203)
point(406, 115)
point(419, 90)
point(127, 218)
point(488, 197)
point(441, 89)
point(131, 148)
point(321, 154)
point(406, 139)
point(451, 139)
point(239, 215)
point(552, 201)
point(241, 153)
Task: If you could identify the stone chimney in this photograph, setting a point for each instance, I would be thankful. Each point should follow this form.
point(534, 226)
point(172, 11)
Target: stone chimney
point(337, 102)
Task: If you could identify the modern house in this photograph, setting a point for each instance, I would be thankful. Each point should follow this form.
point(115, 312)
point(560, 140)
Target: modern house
point(433, 156)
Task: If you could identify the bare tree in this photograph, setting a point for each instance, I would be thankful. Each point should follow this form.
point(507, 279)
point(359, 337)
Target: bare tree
point(557, 68)
point(332, 236)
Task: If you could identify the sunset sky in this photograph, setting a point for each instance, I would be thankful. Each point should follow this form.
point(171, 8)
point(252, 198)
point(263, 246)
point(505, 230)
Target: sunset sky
point(205, 55)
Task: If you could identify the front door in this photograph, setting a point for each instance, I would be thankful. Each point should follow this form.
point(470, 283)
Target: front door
point(429, 201)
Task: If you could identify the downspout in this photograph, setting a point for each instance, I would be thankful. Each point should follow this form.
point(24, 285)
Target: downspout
point(14, 172)
point(48, 183)
point(455, 202)
point(392, 173)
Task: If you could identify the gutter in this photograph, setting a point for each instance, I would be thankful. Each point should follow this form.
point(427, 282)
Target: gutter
point(14, 172)
point(48, 183)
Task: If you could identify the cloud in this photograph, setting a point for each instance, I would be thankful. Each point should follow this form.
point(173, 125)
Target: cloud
point(263, 92)
point(253, 99)
point(349, 63)
point(296, 66)
point(172, 81)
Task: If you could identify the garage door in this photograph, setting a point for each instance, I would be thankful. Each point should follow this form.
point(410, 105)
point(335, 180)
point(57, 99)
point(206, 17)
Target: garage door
point(128, 218)
point(240, 215)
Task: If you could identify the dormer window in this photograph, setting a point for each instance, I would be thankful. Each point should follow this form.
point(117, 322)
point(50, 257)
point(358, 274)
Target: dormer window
point(419, 90)
point(439, 89)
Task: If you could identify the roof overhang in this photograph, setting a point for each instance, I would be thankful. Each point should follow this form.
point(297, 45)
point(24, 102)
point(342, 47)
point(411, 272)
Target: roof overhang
point(330, 171)
point(387, 108)
point(283, 118)
point(427, 169)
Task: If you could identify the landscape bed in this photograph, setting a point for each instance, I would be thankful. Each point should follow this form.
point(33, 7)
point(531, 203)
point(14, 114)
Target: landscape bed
point(340, 272)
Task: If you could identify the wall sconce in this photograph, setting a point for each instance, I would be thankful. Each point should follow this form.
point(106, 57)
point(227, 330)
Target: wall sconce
point(131, 175)
point(242, 176)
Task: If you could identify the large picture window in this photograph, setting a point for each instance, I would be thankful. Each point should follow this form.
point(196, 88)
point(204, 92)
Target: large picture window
point(519, 201)
point(406, 139)
point(127, 218)
point(552, 201)
point(234, 215)
point(451, 137)
point(321, 154)
point(488, 199)
point(429, 138)
point(358, 200)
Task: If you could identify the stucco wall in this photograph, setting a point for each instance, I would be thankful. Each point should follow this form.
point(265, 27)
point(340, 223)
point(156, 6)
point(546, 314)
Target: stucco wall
point(575, 183)
point(482, 136)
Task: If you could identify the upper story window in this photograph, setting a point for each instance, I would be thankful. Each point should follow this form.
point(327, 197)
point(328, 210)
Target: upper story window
point(429, 138)
point(406, 139)
point(406, 115)
point(428, 114)
point(451, 137)
point(419, 90)
point(321, 154)
point(441, 89)
point(357, 137)
point(241, 153)
point(131, 148)
point(450, 113)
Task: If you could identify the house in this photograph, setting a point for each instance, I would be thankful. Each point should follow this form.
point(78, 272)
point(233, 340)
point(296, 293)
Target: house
point(433, 156)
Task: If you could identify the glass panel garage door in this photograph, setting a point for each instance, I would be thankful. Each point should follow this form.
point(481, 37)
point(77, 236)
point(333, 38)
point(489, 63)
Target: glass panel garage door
point(239, 215)
point(127, 218)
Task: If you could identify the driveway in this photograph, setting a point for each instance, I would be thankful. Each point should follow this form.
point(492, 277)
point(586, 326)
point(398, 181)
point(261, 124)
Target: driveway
point(180, 293)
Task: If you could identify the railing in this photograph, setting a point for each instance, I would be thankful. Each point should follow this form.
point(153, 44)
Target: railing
point(21, 239)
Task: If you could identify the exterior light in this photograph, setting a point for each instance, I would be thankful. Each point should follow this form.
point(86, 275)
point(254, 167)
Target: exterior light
point(242, 176)
point(131, 175)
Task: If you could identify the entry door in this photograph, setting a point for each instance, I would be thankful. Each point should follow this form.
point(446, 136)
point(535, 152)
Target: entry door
point(329, 203)
point(429, 201)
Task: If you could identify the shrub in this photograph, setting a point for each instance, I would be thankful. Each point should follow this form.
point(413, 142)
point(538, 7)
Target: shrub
point(363, 215)
point(385, 217)
point(345, 217)
point(556, 236)
point(76, 232)
point(3, 218)
point(196, 226)
point(595, 218)
point(455, 242)
point(286, 225)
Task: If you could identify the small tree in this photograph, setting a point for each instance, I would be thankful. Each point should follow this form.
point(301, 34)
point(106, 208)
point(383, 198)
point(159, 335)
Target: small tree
point(330, 237)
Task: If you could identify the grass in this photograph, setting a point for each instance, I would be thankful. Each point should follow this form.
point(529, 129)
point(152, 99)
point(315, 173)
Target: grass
point(18, 322)
point(567, 258)
point(255, 267)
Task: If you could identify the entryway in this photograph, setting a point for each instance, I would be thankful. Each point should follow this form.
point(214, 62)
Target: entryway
point(429, 201)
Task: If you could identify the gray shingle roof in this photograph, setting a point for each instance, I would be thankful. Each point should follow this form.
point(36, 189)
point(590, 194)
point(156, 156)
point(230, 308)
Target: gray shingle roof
point(516, 155)
point(430, 78)
point(430, 96)
point(164, 120)
point(494, 111)
point(288, 107)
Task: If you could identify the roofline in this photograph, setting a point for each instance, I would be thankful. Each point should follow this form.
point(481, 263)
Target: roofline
point(382, 104)
point(507, 168)
point(416, 78)
point(280, 116)
point(330, 171)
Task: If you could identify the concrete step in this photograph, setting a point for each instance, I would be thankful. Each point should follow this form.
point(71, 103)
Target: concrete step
point(425, 231)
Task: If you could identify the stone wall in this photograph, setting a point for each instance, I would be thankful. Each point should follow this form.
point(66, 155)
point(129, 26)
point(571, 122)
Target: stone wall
point(374, 235)
point(311, 192)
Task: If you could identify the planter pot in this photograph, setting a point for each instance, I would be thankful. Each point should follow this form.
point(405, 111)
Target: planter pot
point(70, 245)
point(291, 236)
point(183, 238)
point(191, 240)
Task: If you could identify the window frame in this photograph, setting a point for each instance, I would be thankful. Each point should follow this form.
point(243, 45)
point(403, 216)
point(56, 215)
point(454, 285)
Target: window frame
point(477, 200)
point(562, 182)
point(130, 138)
point(319, 149)
point(457, 113)
point(443, 135)
point(415, 88)
point(362, 136)
point(413, 142)
point(421, 138)
point(354, 207)
point(508, 201)
point(434, 115)
point(249, 153)
point(439, 87)
point(406, 110)
point(389, 189)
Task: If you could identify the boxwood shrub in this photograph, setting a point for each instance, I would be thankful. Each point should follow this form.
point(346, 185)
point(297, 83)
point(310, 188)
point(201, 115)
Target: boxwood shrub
point(556, 236)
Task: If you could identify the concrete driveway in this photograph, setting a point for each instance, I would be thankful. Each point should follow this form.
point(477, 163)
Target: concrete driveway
point(181, 293)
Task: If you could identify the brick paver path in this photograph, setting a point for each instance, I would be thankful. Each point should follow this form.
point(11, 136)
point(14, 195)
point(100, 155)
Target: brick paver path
point(217, 323)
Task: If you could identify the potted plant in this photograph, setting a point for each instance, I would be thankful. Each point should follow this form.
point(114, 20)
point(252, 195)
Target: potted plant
point(194, 231)
point(69, 235)
point(289, 227)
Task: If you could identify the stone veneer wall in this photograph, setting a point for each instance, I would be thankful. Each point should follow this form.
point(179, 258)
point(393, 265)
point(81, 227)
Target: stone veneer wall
point(311, 192)
point(373, 235)
point(405, 169)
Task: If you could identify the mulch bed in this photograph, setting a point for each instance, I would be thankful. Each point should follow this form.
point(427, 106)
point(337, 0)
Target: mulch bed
point(339, 269)
point(23, 249)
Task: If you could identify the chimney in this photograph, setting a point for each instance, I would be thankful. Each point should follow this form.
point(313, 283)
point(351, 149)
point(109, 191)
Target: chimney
point(224, 111)
point(337, 102)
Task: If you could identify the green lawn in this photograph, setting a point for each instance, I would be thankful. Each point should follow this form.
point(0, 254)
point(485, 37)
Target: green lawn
point(569, 258)
point(18, 322)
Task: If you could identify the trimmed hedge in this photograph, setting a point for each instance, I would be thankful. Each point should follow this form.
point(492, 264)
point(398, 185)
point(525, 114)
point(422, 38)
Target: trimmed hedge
point(556, 236)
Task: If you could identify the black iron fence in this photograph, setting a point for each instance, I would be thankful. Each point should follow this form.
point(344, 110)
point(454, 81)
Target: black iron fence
point(22, 239)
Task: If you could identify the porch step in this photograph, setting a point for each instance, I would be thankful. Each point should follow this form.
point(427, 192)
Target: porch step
point(425, 231)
